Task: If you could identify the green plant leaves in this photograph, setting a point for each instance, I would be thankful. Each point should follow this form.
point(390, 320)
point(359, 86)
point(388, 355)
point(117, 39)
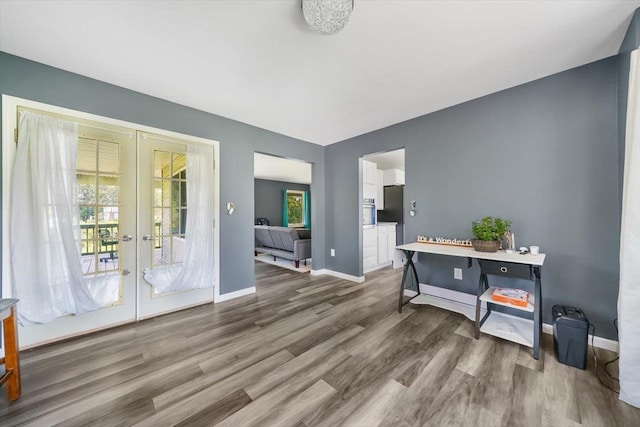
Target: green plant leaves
point(489, 228)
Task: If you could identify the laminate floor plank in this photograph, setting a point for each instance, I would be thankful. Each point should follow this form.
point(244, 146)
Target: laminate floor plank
point(80, 385)
point(560, 394)
point(371, 412)
point(123, 411)
point(306, 351)
point(423, 392)
point(452, 406)
point(248, 345)
point(214, 411)
point(300, 363)
point(599, 405)
point(408, 371)
point(294, 411)
point(172, 409)
point(474, 361)
point(523, 404)
point(290, 309)
point(255, 412)
point(495, 380)
point(201, 390)
point(139, 389)
point(356, 380)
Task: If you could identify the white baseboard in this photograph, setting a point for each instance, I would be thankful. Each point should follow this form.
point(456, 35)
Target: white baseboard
point(236, 294)
point(470, 300)
point(605, 343)
point(379, 266)
point(344, 276)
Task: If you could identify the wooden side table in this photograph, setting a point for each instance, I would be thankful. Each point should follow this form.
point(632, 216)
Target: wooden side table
point(11, 359)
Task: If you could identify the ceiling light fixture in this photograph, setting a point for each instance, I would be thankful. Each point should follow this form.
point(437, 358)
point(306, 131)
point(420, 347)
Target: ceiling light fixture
point(327, 16)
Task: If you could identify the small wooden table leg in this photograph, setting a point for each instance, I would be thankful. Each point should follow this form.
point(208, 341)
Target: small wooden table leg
point(11, 354)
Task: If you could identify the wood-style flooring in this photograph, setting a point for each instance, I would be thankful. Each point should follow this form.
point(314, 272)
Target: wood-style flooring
point(307, 351)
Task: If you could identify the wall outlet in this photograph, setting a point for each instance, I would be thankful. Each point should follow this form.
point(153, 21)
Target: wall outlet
point(457, 273)
point(333, 253)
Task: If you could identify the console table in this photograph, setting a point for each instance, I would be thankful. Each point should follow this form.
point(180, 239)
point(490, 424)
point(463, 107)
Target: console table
point(11, 360)
point(513, 265)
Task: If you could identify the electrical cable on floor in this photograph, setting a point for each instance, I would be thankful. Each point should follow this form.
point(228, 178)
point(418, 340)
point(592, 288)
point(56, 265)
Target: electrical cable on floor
point(595, 358)
point(615, 324)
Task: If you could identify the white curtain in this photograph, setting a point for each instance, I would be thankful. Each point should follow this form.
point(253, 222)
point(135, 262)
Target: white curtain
point(196, 270)
point(629, 292)
point(45, 229)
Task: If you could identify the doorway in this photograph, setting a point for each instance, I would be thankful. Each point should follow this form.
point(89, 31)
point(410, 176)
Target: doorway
point(383, 181)
point(130, 220)
point(282, 212)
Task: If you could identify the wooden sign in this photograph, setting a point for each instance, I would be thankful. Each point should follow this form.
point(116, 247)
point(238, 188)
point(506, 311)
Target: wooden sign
point(445, 241)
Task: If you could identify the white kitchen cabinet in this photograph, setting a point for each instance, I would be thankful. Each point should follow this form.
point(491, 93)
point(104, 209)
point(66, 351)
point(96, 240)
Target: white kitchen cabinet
point(369, 248)
point(393, 177)
point(391, 245)
point(368, 180)
point(383, 249)
point(386, 242)
point(369, 192)
point(379, 189)
point(369, 172)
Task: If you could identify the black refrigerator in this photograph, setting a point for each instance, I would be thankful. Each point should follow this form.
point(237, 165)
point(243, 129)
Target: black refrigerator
point(394, 209)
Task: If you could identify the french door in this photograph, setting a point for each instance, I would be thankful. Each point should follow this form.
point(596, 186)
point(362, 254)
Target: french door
point(131, 192)
point(105, 175)
point(163, 212)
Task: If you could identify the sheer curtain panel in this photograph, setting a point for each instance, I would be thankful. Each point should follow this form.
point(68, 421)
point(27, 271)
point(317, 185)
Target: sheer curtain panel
point(45, 254)
point(197, 270)
point(629, 292)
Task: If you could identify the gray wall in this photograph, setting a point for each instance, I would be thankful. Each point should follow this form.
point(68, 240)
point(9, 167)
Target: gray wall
point(238, 142)
point(543, 155)
point(268, 198)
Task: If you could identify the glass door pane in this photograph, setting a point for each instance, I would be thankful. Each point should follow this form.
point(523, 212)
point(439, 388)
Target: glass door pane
point(98, 191)
point(170, 207)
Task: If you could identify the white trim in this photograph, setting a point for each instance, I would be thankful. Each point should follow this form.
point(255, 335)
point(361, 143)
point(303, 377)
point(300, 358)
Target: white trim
point(172, 310)
point(378, 267)
point(604, 343)
point(465, 304)
point(74, 335)
point(344, 276)
point(231, 295)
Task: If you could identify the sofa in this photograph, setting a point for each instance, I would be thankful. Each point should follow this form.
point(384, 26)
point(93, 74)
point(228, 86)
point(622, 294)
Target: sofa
point(290, 243)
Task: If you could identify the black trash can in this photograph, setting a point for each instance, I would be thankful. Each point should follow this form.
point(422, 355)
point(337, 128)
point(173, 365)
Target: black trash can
point(570, 335)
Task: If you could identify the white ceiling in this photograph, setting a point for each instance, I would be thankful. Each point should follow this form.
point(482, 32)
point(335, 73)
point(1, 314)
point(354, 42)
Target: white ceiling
point(279, 169)
point(257, 62)
point(388, 160)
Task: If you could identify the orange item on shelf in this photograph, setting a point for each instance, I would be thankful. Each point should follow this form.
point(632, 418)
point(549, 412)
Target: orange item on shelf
point(515, 297)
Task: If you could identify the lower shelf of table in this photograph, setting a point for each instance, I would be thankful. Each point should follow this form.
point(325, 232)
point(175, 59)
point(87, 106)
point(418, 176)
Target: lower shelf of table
point(509, 327)
point(498, 324)
point(467, 310)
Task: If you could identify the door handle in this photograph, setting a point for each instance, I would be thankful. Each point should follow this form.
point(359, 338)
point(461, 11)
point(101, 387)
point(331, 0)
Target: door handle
point(126, 238)
point(147, 237)
point(125, 272)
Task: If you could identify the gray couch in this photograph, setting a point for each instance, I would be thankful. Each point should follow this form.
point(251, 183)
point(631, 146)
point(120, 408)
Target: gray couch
point(284, 242)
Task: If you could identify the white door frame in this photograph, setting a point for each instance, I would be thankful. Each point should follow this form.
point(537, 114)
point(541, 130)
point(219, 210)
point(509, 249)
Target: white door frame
point(9, 124)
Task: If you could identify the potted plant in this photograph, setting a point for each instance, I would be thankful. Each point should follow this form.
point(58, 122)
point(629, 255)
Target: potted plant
point(488, 232)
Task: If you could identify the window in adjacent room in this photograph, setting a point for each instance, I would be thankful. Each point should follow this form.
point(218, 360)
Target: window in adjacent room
point(295, 206)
